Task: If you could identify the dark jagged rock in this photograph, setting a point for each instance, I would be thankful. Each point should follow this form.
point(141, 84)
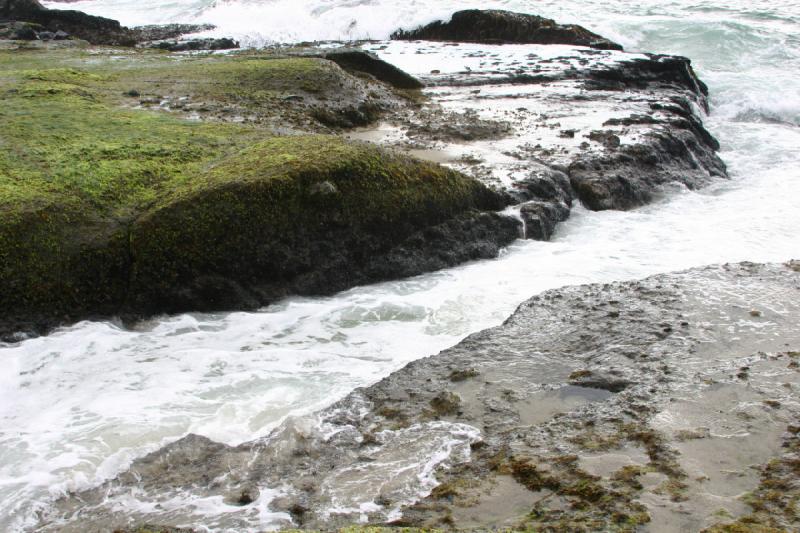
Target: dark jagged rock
point(162, 32)
point(629, 176)
point(540, 218)
point(361, 61)
point(96, 30)
point(598, 398)
point(497, 27)
point(550, 185)
point(196, 44)
point(654, 136)
point(653, 69)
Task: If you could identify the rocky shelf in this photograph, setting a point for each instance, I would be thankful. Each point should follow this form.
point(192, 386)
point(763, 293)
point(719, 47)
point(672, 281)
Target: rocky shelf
point(593, 407)
point(146, 181)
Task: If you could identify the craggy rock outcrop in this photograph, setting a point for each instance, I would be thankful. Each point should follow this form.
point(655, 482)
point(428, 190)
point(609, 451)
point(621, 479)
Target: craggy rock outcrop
point(224, 43)
point(96, 30)
point(107, 211)
point(297, 215)
point(32, 21)
point(598, 407)
point(552, 125)
point(497, 27)
point(162, 32)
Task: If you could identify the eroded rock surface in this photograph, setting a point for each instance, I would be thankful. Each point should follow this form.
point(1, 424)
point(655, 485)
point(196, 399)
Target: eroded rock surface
point(556, 125)
point(616, 406)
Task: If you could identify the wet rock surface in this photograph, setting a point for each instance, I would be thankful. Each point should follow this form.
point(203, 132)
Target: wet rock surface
point(315, 239)
point(161, 32)
point(195, 44)
point(656, 403)
point(94, 29)
point(556, 125)
point(496, 26)
point(33, 21)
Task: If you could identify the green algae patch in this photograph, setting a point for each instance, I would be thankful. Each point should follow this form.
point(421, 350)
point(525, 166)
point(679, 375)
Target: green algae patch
point(73, 173)
point(289, 210)
point(108, 209)
point(775, 502)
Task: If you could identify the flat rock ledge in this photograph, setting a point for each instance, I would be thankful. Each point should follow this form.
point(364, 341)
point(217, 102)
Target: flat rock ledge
point(557, 121)
point(670, 402)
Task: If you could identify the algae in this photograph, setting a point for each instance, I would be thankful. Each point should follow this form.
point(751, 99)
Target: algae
point(107, 208)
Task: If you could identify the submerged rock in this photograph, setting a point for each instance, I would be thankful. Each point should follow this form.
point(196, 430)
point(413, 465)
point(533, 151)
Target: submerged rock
point(596, 407)
point(496, 26)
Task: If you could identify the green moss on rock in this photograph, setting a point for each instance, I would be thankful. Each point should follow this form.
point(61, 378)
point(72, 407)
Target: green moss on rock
point(280, 209)
point(105, 209)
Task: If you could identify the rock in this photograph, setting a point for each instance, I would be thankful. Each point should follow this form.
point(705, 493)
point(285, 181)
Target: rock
point(663, 70)
point(96, 30)
point(244, 223)
point(540, 218)
point(629, 178)
point(603, 381)
point(654, 137)
point(162, 32)
point(313, 243)
point(535, 422)
point(25, 34)
point(361, 61)
point(99, 30)
point(224, 43)
point(548, 185)
point(608, 138)
point(496, 27)
point(436, 125)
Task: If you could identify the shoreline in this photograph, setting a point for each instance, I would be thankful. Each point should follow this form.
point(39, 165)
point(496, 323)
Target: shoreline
point(611, 405)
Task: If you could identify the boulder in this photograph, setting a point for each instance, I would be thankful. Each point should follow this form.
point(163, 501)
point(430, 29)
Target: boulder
point(498, 27)
point(541, 218)
point(361, 61)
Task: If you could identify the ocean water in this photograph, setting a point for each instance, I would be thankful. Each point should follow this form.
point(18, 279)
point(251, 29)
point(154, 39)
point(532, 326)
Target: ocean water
point(77, 406)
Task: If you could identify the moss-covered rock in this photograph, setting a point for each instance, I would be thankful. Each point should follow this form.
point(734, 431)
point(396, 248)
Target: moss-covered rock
point(108, 210)
point(291, 214)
